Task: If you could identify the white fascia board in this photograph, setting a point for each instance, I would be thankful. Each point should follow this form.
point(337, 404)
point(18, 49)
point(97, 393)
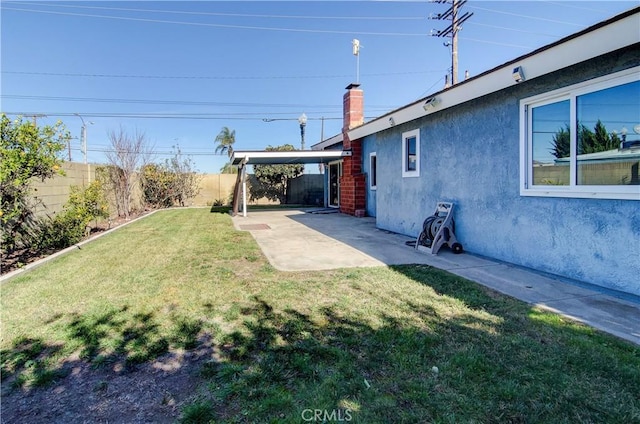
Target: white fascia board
point(597, 42)
point(621, 33)
point(287, 156)
point(328, 142)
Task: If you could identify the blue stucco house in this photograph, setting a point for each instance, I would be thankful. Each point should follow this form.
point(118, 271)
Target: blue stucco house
point(540, 156)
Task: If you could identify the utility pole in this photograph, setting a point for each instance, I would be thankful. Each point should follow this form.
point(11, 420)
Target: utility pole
point(83, 137)
point(452, 31)
point(35, 117)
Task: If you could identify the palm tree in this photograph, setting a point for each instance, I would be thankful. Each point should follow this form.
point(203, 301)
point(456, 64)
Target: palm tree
point(228, 168)
point(225, 140)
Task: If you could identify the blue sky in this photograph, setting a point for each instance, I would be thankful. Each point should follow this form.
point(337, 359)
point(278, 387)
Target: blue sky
point(199, 66)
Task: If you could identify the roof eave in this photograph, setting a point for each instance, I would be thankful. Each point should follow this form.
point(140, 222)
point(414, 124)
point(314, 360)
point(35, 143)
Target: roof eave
point(271, 157)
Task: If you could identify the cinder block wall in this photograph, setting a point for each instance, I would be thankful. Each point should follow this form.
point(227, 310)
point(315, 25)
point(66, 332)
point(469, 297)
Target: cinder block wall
point(52, 194)
point(215, 187)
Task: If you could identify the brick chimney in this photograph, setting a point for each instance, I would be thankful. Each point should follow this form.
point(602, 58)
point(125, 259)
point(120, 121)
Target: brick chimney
point(352, 107)
point(352, 182)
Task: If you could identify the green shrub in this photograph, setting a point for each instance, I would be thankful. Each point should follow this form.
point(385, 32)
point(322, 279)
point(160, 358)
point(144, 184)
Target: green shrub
point(72, 224)
point(63, 230)
point(89, 204)
point(173, 183)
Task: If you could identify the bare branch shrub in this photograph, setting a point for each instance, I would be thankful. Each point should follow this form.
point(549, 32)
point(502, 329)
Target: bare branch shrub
point(127, 154)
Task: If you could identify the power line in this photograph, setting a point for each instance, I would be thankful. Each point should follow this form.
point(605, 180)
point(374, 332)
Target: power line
point(153, 152)
point(174, 102)
point(259, 28)
point(514, 30)
point(254, 117)
point(526, 16)
point(68, 74)
point(564, 4)
point(496, 43)
point(203, 24)
point(241, 15)
point(155, 101)
point(223, 117)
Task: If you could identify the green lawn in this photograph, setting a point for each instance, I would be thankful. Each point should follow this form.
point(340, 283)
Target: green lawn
point(376, 345)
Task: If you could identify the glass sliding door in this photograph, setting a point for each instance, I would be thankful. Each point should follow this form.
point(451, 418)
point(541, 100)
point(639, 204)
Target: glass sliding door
point(335, 172)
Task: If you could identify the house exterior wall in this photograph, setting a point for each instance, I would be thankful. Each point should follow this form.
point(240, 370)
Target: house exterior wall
point(470, 156)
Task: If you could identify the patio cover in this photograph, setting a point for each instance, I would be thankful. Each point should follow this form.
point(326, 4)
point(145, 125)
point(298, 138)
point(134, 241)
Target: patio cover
point(273, 157)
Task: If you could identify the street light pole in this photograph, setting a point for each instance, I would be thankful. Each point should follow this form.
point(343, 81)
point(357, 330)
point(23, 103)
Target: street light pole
point(83, 137)
point(302, 120)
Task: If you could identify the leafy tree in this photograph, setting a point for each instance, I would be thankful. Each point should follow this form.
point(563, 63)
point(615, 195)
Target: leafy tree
point(561, 142)
point(598, 140)
point(27, 152)
point(157, 186)
point(228, 168)
point(273, 180)
point(225, 141)
point(71, 225)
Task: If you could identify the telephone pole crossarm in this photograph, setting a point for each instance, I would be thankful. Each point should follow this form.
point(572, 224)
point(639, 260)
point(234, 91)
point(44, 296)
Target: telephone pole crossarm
point(452, 31)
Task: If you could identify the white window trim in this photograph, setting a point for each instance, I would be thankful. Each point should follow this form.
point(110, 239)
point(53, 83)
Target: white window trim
point(373, 186)
point(405, 136)
point(621, 192)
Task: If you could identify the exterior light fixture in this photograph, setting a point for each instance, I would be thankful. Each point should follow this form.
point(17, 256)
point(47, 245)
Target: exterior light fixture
point(518, 74)
point(431, 103)
point(392, 122)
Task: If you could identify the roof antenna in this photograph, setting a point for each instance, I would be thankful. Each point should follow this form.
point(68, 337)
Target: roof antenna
point(356, 52)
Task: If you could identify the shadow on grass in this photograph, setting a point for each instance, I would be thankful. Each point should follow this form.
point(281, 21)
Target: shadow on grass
point(112, 337)
point(490, 360)
point(514, 365)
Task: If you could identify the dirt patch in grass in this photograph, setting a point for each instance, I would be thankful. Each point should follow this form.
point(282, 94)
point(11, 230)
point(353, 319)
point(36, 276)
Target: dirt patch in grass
point(150, 392)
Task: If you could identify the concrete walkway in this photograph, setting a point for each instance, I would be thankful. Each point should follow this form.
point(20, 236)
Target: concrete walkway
point(294, 240)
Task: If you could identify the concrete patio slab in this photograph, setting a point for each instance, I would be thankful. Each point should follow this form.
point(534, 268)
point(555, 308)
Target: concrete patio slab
point(293, 240)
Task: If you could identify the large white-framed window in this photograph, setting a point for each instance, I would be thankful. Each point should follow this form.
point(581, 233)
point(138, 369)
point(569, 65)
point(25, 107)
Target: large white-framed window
point(583, 140)
point(411, 154)
point(373, 171)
